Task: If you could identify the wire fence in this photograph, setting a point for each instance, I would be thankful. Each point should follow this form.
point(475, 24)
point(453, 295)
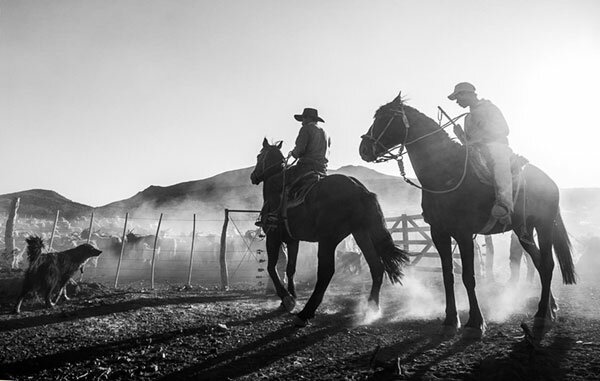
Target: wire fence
point(165, 247)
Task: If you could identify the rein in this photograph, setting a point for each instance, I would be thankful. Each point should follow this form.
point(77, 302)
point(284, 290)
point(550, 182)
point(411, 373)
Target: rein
point(389, 155)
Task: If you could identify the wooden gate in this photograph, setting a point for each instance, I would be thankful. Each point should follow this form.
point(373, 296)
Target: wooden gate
point(412, 234)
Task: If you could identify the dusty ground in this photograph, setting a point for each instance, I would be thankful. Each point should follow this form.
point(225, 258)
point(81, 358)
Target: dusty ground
point(176, 333)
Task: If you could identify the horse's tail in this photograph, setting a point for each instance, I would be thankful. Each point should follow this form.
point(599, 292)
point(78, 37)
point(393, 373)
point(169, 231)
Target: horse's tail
point(34, 247)
point(562, 248)
point(392, 257)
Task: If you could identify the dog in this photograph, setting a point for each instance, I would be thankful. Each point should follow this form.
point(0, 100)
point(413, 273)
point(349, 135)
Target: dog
point(50, 272)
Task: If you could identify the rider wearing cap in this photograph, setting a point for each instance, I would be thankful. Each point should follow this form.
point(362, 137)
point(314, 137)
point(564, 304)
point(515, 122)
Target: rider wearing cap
point(486, 127)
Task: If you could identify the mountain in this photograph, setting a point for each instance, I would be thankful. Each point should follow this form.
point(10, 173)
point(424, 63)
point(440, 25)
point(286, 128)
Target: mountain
point(233, 190)
point(43, 204)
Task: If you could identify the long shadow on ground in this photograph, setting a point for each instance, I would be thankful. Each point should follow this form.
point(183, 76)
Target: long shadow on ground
point(523, 362)
point(111, 308)
point(262, 352)
point(56, 361)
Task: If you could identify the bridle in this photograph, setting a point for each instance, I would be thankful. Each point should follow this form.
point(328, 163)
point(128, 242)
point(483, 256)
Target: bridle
point(268, 171)
point(388, 153)
point(376, 141)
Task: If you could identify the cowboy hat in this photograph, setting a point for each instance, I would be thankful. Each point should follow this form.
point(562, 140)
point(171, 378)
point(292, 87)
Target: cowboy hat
point(309, 113)
point(463, 87)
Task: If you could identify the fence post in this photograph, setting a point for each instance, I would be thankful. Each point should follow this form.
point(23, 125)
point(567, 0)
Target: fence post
point(154, 252)
point(192, 252)
point(8, 257)
point(223, 262)
point(53, 230)
point(122, 248)
point(489, 258)
point(405, 232)
point(91, 226)
point(89, 238)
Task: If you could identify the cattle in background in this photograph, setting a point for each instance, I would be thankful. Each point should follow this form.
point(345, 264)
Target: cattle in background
point(140, 246)
point(109, 244)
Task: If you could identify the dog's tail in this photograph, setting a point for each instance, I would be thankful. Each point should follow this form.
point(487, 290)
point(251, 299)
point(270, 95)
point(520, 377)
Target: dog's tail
point(34, 247)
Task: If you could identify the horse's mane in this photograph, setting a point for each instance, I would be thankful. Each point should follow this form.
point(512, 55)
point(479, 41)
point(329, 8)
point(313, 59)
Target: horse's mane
point(439, 143)
point(421, 120)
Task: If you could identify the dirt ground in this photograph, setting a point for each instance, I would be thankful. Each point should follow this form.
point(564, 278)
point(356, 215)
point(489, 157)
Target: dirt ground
point(178, 333)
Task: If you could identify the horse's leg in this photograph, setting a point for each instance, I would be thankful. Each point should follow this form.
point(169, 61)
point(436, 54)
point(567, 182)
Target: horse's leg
point(544, 263)
point(475, 327)
point(273, 246)
point(444, 247)
point(489, 259)
point(325, 270)
point(515, 258)
point(363, 240)
point(546, 313)
point(291, 266)
point(530, 269)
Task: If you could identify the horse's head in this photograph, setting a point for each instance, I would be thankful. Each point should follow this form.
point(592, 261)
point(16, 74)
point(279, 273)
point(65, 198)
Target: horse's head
point(389, 129)
point(130, 236)
point(268, 162)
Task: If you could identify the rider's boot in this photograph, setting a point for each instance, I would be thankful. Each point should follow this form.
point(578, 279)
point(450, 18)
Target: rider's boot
point(525, 237)
point(502, 213)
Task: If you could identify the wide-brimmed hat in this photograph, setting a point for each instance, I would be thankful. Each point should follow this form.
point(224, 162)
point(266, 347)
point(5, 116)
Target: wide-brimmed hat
point(309, 113)
point(463, 87)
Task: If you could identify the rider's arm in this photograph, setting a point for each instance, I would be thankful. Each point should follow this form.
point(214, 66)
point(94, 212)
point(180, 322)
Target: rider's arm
point(301, 143)
point(460, 134)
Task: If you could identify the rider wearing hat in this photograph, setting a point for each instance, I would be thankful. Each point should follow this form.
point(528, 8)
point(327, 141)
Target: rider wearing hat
point(311, 150)
point(486, 127)
point(312, 145)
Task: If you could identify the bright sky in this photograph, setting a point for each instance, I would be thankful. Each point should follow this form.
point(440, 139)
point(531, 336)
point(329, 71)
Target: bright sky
point(100, 99)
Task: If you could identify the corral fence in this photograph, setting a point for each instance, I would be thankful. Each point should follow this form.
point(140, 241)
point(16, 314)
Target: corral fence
point(210, 251)
point(413, 235)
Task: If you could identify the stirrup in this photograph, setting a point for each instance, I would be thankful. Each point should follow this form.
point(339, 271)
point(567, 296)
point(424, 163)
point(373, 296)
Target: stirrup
point(270, 221)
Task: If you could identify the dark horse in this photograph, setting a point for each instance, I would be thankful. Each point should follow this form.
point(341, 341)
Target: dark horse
point(457, 205)
point(335, 207)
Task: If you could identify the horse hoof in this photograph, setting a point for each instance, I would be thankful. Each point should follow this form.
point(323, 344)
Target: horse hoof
point(448, 330)
point(288, 303)
point(541, 326)
point(470, 333)
point(298, 322)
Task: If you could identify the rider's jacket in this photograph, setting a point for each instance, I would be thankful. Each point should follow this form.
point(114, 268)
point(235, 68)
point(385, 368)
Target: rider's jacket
point(312, 146)
point(486, 124)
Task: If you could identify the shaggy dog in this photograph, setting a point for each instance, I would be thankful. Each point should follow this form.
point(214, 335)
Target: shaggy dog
point(50, 272)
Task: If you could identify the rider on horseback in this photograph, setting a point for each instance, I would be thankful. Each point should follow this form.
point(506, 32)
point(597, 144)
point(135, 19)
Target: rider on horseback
point(311, 151)
point(312, 145)
point(486, 127)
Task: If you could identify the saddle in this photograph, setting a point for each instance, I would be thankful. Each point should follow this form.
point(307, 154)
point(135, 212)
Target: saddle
point(293, 195)
point(296, 192)
point(482, 166)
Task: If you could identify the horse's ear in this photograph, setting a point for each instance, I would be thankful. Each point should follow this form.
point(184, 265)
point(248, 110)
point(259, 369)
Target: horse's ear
point(279, 144)
point(398, 99)
point(265, 143)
